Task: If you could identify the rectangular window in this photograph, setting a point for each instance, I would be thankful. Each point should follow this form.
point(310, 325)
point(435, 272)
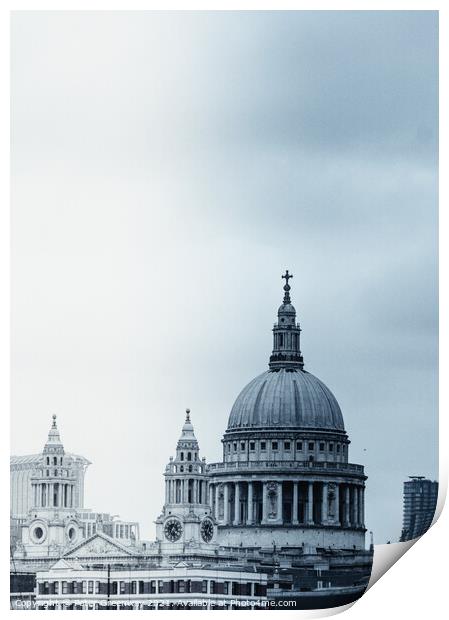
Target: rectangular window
point(153, 587)
point(311, 445)
point(75, 587)
point(226, 587)
point(91, 587)
point(331, 447)
point(181, 586)
point(299, 445)
point(83, 587)
point(204, 586)
point(212, 587)
point(122, 587)
point(263, 445)
point(235, 446)
point(242, 446)
point(133, 587)
point(97, 587)
point(321, 447)
point(160, 587)
point(274, 445)
point(252, 446)
point(286, 445)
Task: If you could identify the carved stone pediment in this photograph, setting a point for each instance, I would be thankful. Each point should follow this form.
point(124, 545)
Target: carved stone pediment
point(99, 545)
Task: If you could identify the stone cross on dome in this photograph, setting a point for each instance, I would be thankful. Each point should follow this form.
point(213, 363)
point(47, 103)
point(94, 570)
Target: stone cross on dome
point(287, 287)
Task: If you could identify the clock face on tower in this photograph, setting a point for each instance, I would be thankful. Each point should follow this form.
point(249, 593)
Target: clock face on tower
point(207, 530)
point(173, 530)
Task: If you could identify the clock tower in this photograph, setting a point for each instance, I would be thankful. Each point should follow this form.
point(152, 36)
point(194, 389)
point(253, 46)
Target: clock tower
point(186, 521)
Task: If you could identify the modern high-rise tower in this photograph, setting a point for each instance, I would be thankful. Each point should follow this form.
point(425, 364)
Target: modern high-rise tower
point(420, 501)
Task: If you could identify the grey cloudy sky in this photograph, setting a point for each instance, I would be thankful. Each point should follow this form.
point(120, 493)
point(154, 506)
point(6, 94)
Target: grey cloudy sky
point(166, 168)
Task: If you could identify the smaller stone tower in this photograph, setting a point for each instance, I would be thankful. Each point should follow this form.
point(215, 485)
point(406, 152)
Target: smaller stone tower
point(186, 519)
point(52, 522)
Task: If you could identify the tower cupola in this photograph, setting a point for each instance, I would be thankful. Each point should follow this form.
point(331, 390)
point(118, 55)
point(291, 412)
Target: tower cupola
point(286, 334)
point(54, 443)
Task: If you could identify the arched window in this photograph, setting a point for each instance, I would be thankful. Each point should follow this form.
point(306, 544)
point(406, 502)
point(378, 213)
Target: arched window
point(190, 468)
point(182, 456)
point(55, 460)
point(189, 456)
point(48, 460)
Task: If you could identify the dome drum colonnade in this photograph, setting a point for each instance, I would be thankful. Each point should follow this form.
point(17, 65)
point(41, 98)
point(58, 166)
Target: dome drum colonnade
point(282, 502)
point(285, 451)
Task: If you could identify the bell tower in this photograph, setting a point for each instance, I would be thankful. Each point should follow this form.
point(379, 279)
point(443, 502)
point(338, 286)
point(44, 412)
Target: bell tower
point(52, 523)
point(186, 518)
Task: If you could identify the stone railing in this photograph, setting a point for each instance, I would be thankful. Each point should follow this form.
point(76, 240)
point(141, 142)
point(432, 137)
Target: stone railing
point(304, 466)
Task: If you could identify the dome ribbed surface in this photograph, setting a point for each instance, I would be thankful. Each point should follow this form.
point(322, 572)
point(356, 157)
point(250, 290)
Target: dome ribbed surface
point(286, 398)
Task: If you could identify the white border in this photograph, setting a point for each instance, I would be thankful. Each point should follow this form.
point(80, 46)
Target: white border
point(414, 586)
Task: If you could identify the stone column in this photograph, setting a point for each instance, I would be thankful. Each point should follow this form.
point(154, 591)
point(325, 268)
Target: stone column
point(280, 516)
point(226, 503)
point(264, 502)
point(337, 503)
point(355, 506)
point(249, 512)
point(236, 503)
point(347, 504)
point(310, 504)
point(324, 504)
point(295, 504)
point(216, 501)
point(362, 506)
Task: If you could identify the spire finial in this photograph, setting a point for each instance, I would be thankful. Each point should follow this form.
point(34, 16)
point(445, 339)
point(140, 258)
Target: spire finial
point(287, 287)
point(188, 415)
point(54, 421)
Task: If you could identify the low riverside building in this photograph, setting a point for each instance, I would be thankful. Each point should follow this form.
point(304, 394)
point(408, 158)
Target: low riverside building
point(72, 586)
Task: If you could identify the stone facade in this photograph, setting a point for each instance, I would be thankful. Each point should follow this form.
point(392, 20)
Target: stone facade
point(48, 514)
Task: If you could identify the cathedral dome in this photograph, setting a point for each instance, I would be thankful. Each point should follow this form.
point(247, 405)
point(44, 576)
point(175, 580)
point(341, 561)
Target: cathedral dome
point(286, 398)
